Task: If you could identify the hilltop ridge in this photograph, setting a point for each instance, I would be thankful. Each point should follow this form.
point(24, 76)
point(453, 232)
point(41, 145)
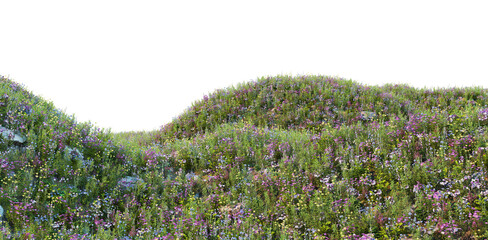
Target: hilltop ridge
point(309, 102)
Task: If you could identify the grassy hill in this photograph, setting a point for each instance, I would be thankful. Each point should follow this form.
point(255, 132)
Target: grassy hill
point(306, 157)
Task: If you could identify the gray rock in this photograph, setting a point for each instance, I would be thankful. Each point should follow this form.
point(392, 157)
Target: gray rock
point(75, 155)
point(368, 116)
point(169, 174)
point(1, 213)
point(11, 135)
point(74, 152)
point(191, 175)
point(128, 183)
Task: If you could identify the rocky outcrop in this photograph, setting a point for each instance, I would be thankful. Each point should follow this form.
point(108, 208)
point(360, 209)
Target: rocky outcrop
point(192, 176)
point(1, 215)
point(74, 154)
point(11, 135)
point(367, 116)
point(128, 183)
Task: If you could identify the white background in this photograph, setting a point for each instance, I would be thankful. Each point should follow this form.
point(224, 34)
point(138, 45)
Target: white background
point(134, 65)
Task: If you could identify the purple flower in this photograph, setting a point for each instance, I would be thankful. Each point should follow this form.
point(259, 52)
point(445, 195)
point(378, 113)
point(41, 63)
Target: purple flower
point(483, 114)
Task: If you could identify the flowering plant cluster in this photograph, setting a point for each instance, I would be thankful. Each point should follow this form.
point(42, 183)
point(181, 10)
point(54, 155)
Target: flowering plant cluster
point(306, 157)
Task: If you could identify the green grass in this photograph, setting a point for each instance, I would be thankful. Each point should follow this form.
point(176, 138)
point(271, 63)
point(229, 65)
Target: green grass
point(278, 158)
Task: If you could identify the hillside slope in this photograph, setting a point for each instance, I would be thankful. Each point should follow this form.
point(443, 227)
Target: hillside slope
point(307, 157)
point(52, 168)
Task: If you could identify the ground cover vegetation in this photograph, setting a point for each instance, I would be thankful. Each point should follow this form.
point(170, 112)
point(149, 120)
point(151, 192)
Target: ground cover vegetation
point(283, 157)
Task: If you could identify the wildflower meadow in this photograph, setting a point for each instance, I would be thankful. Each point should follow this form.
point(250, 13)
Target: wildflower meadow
point(282, 157)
